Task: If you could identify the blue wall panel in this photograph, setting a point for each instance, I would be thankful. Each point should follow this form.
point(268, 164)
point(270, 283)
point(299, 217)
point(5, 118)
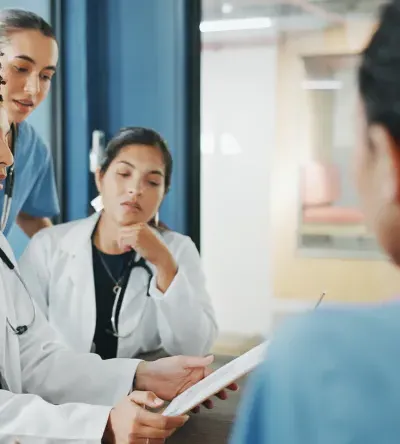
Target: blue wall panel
point(130, 56)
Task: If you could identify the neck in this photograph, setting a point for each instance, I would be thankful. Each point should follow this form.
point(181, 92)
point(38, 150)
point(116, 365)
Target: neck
point(105, 238)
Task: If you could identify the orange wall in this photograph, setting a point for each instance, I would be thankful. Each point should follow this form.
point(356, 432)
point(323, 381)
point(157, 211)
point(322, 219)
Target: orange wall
point(294, 276)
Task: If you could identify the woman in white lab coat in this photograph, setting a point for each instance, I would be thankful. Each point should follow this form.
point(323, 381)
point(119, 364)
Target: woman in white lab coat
point(120, 283)
point(51, 394)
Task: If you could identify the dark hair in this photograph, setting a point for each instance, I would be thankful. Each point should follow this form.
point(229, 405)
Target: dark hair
point(139, 136)
point(13, 19)
point(2, 81)
point(379, 72)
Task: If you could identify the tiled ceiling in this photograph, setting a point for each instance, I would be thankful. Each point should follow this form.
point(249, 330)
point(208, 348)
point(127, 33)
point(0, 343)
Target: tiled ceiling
point(213, 9)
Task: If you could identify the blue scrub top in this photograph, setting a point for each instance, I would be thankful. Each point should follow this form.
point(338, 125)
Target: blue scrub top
point(35, 190)
point(331, 376)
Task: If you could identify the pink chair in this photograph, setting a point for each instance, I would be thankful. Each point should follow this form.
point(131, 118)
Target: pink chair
point(320, 188)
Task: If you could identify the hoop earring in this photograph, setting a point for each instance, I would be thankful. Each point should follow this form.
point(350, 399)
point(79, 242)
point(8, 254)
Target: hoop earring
point(156, 219)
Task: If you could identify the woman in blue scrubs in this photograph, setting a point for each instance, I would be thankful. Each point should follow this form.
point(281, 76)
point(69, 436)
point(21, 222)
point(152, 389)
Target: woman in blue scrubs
point(29, 61)
point(332, 376)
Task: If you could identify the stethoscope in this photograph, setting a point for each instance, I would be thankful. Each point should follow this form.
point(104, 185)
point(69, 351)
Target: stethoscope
point(118, 290)
point(19, 329)
point(9, 185)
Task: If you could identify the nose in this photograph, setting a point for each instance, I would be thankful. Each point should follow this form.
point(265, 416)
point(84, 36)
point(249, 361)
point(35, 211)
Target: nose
point(32, 85)
point(135, 187)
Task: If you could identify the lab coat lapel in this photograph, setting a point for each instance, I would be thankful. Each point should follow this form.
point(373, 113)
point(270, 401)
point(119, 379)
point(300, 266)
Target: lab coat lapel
point(80, 270)
point(9, 344)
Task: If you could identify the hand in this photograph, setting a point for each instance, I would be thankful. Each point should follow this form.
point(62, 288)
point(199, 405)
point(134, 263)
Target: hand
point(169, 377)
point(145, 242)
point(130, 423)
point(142, 239)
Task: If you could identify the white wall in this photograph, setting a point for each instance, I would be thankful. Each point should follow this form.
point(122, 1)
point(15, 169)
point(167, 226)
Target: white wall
point(238, 100)
point(344, 139)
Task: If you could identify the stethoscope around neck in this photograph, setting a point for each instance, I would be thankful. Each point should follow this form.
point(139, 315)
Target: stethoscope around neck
point(119, 290)
point(19, 329)
point(9, 185)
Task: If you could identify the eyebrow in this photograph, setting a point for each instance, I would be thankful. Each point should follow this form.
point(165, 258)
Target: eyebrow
point(30, 60)
point(160, 173)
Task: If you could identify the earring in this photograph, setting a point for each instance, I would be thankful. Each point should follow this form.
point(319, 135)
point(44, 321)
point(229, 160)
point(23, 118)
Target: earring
point(156, 219)
point(97, 203)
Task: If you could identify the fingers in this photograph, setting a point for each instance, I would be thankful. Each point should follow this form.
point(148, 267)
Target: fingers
point(158, 421)
point(149, 399)
point(155, 434)
point(196, 361)
point(136, 440)
point(208, 404)
point(222, 395)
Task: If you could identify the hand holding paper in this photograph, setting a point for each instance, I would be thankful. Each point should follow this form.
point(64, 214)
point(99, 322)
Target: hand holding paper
point(214, 382)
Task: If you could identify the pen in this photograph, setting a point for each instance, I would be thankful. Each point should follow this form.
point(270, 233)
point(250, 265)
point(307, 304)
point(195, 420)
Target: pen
point(320, 299)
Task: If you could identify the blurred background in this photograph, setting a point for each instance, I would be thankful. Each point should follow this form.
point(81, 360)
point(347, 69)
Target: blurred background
point(257, 100)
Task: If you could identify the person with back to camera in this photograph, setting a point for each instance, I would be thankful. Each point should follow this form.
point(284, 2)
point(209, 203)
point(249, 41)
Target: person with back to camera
point(332, 376)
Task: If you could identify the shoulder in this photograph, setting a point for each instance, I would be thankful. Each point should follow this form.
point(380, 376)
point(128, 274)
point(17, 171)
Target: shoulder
point(52, 236)
point(29, 138)
point(337, 341)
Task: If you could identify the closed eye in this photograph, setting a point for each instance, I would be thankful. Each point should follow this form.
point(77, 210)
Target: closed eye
point(19, 69)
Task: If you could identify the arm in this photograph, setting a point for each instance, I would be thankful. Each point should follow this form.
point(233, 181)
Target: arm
point(28, 418)
point(59, 375)
point(35, 269)
point(42, 202)
point(195, 332)
point(30, 225)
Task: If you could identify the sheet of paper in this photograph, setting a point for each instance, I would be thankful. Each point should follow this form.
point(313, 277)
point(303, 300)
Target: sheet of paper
point(217, 381)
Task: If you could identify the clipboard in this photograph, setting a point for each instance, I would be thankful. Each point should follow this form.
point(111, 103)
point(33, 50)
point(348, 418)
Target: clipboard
point(216, 381)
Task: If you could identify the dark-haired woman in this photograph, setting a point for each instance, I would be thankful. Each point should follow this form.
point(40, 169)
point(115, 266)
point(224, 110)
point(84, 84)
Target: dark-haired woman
point(332, 376)
point(28, 63)
point(120, 283)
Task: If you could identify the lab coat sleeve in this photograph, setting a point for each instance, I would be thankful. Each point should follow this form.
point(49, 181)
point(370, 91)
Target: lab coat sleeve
point(60, 375)
point(185, 315)
point(34, 269)
point(29, 419)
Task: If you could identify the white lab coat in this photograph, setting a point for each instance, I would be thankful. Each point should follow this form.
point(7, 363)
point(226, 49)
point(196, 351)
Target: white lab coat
point(57, 266)
point(38, 371)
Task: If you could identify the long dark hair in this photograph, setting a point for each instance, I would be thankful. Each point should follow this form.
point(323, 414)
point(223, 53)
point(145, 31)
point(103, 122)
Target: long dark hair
point(139, 136)
point(379, 72)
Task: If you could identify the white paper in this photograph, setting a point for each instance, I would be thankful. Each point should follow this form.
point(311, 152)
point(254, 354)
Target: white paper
point(217, 381)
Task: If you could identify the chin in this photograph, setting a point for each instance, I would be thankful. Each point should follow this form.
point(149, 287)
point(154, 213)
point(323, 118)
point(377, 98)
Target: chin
point(126, 221)
point(18, 117)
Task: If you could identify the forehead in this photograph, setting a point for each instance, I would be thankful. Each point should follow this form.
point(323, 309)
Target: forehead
point(32, 43)
point(143, 155)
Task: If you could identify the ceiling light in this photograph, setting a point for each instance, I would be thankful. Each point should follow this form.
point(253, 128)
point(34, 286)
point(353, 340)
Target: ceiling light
point(235, 24)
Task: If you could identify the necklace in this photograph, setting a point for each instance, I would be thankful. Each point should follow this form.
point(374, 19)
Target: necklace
point(117, 282)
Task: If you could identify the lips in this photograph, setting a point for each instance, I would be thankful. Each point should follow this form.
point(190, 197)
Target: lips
point(132, 205)
point(24, 105)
